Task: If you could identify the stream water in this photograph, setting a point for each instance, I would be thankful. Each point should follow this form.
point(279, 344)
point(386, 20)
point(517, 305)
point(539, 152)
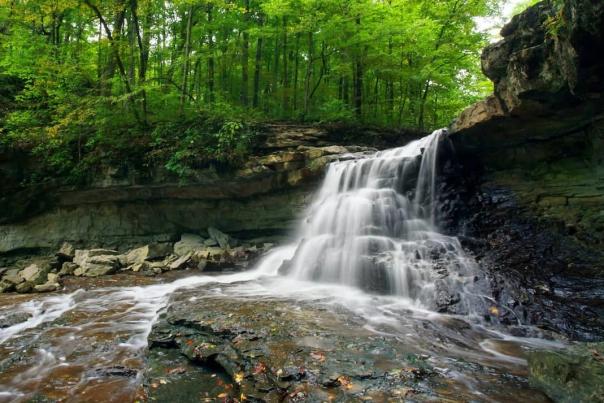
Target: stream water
point(368, 249)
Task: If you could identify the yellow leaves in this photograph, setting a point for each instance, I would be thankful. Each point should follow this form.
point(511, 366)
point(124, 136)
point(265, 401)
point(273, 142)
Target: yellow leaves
point(238, 378)
point(345, 382)
point(494, 311)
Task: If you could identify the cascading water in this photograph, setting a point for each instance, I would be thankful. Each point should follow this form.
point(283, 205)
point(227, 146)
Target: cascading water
point(373, 226)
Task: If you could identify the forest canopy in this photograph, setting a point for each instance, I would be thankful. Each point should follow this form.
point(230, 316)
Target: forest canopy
point(180, 76)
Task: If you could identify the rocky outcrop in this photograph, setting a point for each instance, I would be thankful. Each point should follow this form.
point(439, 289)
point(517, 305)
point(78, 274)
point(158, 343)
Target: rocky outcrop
point(44, 274)
point(572, 375)
point(526, 182)
point(541, 134)
point(124, 209)
point(546, 73)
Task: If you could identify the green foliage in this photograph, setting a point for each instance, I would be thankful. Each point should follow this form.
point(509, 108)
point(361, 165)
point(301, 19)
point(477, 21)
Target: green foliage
point(180, 83)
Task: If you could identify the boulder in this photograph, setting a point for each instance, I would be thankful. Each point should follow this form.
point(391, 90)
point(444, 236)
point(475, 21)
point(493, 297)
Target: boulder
point(34, 274)
point(148, 252)
point(13, 277)
point(220, 237)
point(188, 244)
point(67, 269)
point(180, 262)
point(137, 267)
point(67, 252)
point(210, 242)
point(6, 286)
point(52, 278)
point(82, 255)
point(24, 287)
point(96, 262)
point(47, 287)
point(575, 374)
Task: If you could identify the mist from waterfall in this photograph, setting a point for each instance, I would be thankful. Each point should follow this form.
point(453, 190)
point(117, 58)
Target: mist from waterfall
point(373, 225)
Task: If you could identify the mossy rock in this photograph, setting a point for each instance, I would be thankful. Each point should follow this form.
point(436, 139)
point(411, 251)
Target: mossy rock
point(572, 375)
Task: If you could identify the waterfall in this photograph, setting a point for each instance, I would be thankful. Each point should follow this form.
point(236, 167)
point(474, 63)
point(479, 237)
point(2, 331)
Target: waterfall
point(373, 225)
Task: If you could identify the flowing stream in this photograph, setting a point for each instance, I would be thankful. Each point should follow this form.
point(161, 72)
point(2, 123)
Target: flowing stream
point(369, 245)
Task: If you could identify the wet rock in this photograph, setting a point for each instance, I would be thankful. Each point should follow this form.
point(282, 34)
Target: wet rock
point(220, 237)
point(34, 274)
point(188, 243)
point(575, 374)
point(118, 371)
point(13, 318)
point(67, 252)
point(269, 351)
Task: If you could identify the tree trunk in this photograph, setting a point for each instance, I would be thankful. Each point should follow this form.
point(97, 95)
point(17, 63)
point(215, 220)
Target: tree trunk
point(211, 66)
point(358, 80)
point(296, 67)
point(186, 67)
point(257, 68)
point(308, 75)
point(245, 51)
point(285, 72)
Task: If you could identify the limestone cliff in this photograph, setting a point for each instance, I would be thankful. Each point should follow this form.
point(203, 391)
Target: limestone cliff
point(542, 131)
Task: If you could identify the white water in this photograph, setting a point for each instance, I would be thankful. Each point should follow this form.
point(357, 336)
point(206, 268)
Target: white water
point(373, 226)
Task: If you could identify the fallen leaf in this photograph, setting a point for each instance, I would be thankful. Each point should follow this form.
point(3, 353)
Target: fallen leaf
point(238, 377)
point(176, 371)
point(318, 355)
point(345, 382)
point(259, 368)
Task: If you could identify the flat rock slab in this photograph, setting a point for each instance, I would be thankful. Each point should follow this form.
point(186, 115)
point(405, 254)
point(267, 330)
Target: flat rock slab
point(284, 350)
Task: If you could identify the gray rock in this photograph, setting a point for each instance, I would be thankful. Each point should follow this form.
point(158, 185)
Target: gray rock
point(6, 286)
point(13, 277)
point(210, 242)
point(137, 267)
point(47, 287)
point(24, 287)
point(52, 278)
point(148, 252)
point(188, 244)
point(67, 269)
point(220, 237)
point(95, 262)
point(67, 251)
point(181, 262)
point(83, 255)
point(34, 274)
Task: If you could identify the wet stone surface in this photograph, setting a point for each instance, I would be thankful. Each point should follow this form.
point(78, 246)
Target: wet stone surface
point(281, 350)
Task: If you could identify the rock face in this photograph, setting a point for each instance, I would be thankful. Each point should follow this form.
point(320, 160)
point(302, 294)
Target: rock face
point(547, 65)
point(572, 375)
point(262, 198)
point(541, 134)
